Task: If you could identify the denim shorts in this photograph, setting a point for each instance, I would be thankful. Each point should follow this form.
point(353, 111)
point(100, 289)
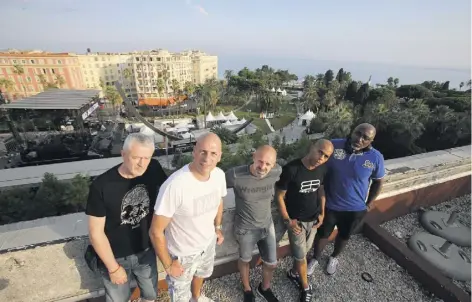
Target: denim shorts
point(199, 265)
point(300, 244)
point(143, 266)
point(265, 240)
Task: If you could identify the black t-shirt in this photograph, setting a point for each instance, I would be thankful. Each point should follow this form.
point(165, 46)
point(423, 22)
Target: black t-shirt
point(301, 184)
point(127, 205)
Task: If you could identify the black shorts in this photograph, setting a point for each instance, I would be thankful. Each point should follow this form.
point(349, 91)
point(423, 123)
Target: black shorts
point(346, 221)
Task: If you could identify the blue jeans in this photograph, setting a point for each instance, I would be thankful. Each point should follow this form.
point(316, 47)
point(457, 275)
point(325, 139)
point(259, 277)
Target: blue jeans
point(143, 266)
point(265, 240)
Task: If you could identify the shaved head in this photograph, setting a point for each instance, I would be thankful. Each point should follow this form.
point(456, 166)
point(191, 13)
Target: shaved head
point(264, 159)
point(319, 153)
point(362, 136)
point(206, 154)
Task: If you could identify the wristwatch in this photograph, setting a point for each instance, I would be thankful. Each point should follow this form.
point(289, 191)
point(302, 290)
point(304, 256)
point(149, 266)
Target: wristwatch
point(219, 227)
point(287, 221)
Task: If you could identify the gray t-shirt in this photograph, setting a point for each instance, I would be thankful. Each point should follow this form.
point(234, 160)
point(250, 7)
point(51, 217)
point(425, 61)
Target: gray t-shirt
point(253, 196)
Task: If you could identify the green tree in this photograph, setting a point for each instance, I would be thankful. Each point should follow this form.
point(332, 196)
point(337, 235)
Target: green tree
point(445, 86)
point(328, 77)
point(189, 88)
point(59, 81)
point(76, 193)
point(461, 85)
point(383, 96)
point(225, 135)
point(351, 91)
point(7, 85)
point(20, 71)
point(160, 86)
point(408, 92)
point(113, 96)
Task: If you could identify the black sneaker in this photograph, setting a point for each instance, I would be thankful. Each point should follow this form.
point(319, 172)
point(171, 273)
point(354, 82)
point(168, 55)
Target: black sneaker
point(294, 278)
point(306, 295)
point(267, 294)
point(249, 296)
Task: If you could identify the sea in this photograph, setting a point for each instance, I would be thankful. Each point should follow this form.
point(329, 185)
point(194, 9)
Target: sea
point(360, 71)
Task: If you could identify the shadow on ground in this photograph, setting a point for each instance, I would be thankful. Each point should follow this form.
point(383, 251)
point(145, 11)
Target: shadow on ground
point(75, 251)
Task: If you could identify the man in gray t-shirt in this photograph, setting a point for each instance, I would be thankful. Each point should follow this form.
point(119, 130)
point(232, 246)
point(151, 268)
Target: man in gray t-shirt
point(253, 187)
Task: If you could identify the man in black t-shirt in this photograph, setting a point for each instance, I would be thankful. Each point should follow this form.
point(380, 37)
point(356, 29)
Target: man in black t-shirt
point(301, 199)
point(119, 208)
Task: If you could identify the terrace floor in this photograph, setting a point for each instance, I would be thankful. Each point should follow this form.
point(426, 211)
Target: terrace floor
point(25, 276)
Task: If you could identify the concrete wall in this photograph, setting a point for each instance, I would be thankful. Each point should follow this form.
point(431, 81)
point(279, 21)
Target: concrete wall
point(77, 282)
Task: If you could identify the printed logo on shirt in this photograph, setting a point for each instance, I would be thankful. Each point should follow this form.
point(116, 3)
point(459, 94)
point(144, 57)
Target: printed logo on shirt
point(368, 164)
point(309, 186)
point(339, 154)
point(206, 203)
point(263, 189)
point(135, 205)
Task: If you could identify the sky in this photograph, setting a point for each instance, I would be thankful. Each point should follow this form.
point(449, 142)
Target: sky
point(419, 33)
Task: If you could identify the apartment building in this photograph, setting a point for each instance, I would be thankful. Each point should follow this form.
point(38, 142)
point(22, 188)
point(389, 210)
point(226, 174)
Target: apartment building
point(139, 71)
point(31, 71)
point(104, 69)
point(204, 67)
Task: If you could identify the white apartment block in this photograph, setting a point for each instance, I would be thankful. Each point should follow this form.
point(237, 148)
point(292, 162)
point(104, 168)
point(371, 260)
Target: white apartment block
point(139, 71)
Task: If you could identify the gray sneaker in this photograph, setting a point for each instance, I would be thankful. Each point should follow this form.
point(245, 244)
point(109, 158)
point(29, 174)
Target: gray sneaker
point(312, 265)
point(332, 264)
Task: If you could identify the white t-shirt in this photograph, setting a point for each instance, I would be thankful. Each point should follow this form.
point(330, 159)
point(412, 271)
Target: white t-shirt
point(192, 205)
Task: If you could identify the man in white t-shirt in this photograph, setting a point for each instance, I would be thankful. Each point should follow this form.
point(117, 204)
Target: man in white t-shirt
point(187, 221)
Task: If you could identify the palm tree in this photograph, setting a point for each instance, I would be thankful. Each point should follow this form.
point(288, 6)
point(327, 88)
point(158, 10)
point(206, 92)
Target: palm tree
point(176, 91)
point(189, 88)
point(60, 80)
point(20, 71)
point(7, 85)
point(469, 83)
point(461, 85)
point(160, 86)
point(113, 96)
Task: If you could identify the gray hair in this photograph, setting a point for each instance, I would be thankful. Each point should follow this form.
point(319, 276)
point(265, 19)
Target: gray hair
point(139, 138)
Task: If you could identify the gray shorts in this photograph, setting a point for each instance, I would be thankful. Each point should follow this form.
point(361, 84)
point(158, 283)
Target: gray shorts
point(300, 244)
point(265, 240)
point(198, 265)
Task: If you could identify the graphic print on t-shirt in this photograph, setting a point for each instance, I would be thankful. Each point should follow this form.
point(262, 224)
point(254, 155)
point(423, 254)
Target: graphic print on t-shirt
point(205, 203)
point(309, 186)
point(135, 205)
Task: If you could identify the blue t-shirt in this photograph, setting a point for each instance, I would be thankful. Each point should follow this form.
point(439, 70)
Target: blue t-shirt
point(349, 175)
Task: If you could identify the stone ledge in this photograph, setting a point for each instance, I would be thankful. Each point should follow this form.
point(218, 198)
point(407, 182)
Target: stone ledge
point(77, 282)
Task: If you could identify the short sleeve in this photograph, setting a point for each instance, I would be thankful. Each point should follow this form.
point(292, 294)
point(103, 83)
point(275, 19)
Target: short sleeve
point(379, 170)
point(224, 191)
point(95, 202)
point(229, 176)
point(285, 178)
point(168, 200)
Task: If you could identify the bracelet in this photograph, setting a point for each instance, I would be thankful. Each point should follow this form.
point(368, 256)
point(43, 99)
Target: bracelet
point(166, 268)
point(111, 273)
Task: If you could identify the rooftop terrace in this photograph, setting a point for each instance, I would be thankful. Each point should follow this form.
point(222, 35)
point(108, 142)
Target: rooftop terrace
point(51, 268)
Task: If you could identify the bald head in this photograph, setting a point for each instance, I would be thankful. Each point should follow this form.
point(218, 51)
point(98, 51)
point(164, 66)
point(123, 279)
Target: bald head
point(206, 153)
point(319, 153)
point(209, 138)
point(362, 136)
point(264, 160)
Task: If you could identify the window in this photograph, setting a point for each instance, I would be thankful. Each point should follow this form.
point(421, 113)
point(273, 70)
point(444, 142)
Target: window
point(137, 59)
point(117, 65)
point(96, 59)
point(59, 62)
point(28, 79)
point(52, 69)
point(44, 70)
point(32, 61)
point(103, 59)
point(14, 61)
point(96, 65)
point(23, 61)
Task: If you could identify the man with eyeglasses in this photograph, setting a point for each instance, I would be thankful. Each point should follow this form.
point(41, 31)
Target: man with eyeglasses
point(353, 181)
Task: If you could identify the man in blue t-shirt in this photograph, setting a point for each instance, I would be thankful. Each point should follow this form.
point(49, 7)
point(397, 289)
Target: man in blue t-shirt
point(353, 181)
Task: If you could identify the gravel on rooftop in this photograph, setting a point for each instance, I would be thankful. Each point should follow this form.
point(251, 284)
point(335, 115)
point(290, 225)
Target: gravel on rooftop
point(390, 281)
point(405, 226)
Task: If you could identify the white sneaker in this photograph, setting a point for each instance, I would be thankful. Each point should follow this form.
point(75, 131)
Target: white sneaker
point(312, 265)
point(332, 264)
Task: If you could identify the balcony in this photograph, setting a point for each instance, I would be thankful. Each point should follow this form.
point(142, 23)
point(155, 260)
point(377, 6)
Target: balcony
point(30, 251)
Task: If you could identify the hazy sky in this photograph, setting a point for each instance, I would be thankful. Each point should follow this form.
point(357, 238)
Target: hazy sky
point(427, 33)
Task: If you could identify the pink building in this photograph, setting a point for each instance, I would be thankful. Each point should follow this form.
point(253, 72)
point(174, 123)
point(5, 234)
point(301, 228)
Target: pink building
point(39, 68)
